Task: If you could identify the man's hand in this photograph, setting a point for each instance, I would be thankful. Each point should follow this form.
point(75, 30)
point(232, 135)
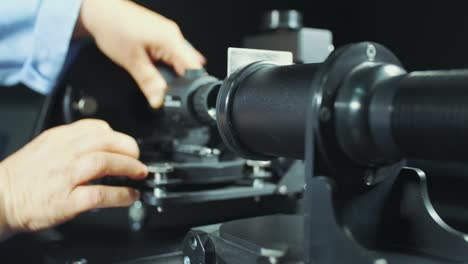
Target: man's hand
point(46, 182)
point(134, 37)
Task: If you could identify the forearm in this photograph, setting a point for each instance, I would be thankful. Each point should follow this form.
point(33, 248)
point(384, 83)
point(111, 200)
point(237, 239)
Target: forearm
point(45, 183)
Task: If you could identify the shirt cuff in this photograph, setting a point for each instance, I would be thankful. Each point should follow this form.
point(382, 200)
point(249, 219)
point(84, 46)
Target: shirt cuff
point(52, 38)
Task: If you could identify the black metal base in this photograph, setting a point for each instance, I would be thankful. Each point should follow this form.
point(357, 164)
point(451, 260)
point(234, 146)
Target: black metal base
point(395, 216)
point(394, 222)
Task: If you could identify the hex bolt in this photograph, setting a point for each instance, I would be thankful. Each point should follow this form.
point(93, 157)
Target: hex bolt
point(259, 172)
point(160, 179)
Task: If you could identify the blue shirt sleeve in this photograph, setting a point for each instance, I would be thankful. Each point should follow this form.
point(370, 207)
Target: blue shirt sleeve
point(35, 39)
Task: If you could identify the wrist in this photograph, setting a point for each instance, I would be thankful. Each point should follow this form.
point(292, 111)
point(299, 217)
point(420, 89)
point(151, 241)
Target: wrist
point(90, 19)
point(5, 228)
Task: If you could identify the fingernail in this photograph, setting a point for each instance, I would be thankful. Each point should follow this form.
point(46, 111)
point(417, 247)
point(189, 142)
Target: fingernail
point(145, 171)
point(156, 101)
point(203, 60)
point(136, 195)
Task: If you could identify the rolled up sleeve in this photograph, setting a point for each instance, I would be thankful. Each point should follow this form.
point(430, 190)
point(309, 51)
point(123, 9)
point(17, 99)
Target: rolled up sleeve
point(53, 24)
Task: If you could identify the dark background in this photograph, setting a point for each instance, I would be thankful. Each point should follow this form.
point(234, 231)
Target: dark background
point(424, 34)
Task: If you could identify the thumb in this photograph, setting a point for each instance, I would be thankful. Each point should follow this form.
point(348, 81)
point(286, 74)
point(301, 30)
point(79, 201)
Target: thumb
point(150, 80)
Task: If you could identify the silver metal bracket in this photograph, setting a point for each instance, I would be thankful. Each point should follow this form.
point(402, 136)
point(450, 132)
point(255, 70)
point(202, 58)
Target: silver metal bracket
point(239, 58)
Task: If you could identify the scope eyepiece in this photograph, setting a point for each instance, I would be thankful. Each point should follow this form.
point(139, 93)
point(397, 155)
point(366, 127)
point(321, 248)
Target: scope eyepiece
point(191, 100)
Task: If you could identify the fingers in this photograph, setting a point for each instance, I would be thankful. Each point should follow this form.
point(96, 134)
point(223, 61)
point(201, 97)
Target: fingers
point(106, 141)
point(85, 198)
point(149, 79)
point(84, 124)
point(181, 55)
point(97, 135)
point(76, 128)
point(174, 49)
point(99, 164)
point(90, 135)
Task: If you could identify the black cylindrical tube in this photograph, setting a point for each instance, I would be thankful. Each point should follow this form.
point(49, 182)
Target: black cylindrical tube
point(269, 108)
point(430, 115)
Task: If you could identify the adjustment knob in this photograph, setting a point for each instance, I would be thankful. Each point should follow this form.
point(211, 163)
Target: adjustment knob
point(204, 103)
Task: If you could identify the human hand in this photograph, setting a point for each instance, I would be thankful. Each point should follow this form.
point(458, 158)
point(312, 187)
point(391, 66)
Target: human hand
point(46, 182)
point(134, 38)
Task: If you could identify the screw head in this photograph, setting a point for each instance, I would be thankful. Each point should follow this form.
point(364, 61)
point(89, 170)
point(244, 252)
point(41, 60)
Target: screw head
point(371, 52)
point(159, 209)
point(283, 190)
